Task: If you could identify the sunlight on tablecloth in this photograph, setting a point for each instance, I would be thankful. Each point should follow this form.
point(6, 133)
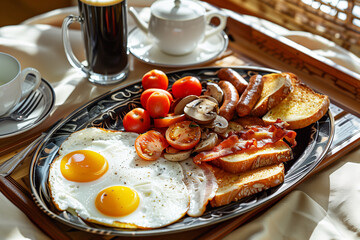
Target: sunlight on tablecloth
point(14, 225)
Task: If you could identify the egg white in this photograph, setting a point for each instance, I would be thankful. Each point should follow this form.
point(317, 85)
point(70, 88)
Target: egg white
point(163, 195)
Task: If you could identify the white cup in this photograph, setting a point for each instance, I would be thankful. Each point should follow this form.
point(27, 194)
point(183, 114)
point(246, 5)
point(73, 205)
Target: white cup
point(12, 78)
point(177, 27)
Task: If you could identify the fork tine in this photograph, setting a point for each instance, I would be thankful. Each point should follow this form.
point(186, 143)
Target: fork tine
point(33, 105)
point(25, 103)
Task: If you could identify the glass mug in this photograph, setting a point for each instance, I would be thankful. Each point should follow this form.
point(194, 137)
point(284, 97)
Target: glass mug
point(104, 28)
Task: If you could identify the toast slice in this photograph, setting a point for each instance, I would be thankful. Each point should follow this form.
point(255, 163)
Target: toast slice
point(233, 187)
point(276, 87)
point(255, 158)
point(300, 108)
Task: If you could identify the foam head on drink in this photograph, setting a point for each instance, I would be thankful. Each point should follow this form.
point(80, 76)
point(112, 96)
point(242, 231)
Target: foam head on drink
point(101, 2)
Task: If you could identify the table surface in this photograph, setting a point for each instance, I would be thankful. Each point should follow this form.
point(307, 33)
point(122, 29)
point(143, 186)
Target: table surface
point(72, 91)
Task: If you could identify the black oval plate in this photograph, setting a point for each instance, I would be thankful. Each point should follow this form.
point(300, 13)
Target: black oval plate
point(108, 110)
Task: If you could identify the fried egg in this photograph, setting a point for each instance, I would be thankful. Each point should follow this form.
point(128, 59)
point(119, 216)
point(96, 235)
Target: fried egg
point(99, 176)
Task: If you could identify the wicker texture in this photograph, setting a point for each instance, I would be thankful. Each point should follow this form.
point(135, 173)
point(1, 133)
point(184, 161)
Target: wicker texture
point(336, 20)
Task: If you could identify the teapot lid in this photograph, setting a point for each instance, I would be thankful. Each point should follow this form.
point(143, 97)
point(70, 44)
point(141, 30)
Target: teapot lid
point(177, 9)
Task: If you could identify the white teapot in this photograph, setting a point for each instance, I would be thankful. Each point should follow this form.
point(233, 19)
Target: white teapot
point(178, 26)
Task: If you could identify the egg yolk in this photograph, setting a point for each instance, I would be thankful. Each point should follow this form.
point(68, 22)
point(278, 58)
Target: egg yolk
point(117, 201)
point(83, 166)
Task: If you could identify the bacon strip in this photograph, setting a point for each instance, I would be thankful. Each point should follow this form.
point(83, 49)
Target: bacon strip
point(257, 137)
point(201, 184)
point(230, 145)
point(269, 134)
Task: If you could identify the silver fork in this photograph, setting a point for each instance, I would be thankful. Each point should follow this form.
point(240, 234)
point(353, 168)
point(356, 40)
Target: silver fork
point(25, 108)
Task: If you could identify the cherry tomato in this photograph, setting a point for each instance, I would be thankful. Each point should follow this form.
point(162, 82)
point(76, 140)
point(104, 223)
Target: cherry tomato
point(183, 135)
point(137, 120)
point(150, 145)
point(186, 86)
point(155, 79)
point(158, 105)
point(168, 120)
point(146, 94)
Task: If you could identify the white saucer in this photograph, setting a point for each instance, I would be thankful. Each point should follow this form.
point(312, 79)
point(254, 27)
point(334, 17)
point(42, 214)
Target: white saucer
point(142, 47)
point(10, 128)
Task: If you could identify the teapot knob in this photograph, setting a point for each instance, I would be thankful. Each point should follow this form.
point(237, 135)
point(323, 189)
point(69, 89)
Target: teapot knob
point(177, 3)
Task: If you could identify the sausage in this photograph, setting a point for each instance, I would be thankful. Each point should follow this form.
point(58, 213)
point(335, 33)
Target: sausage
point(250, 96)
point(231, 98)
point(234, 77)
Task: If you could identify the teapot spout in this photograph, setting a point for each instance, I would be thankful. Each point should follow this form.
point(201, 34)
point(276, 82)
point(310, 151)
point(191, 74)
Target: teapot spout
point(139, 22)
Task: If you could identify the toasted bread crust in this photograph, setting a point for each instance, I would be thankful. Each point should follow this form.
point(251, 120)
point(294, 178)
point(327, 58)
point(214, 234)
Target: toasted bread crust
point(255, 158)
point(276, 87)
point(233, 187)
point(300, 108)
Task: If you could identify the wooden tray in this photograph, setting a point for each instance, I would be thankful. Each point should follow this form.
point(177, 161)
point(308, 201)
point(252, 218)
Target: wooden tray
point(248, 46)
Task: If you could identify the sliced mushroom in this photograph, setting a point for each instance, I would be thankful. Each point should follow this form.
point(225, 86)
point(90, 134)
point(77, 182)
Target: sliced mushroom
point(214, 91)
point(171, 150)
point(204, 133)
point(174, 103)
point(179, 156)
point(202, 111)
point(209, 98)
point(219, 125)
point(207, 144)
point(179, 108)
